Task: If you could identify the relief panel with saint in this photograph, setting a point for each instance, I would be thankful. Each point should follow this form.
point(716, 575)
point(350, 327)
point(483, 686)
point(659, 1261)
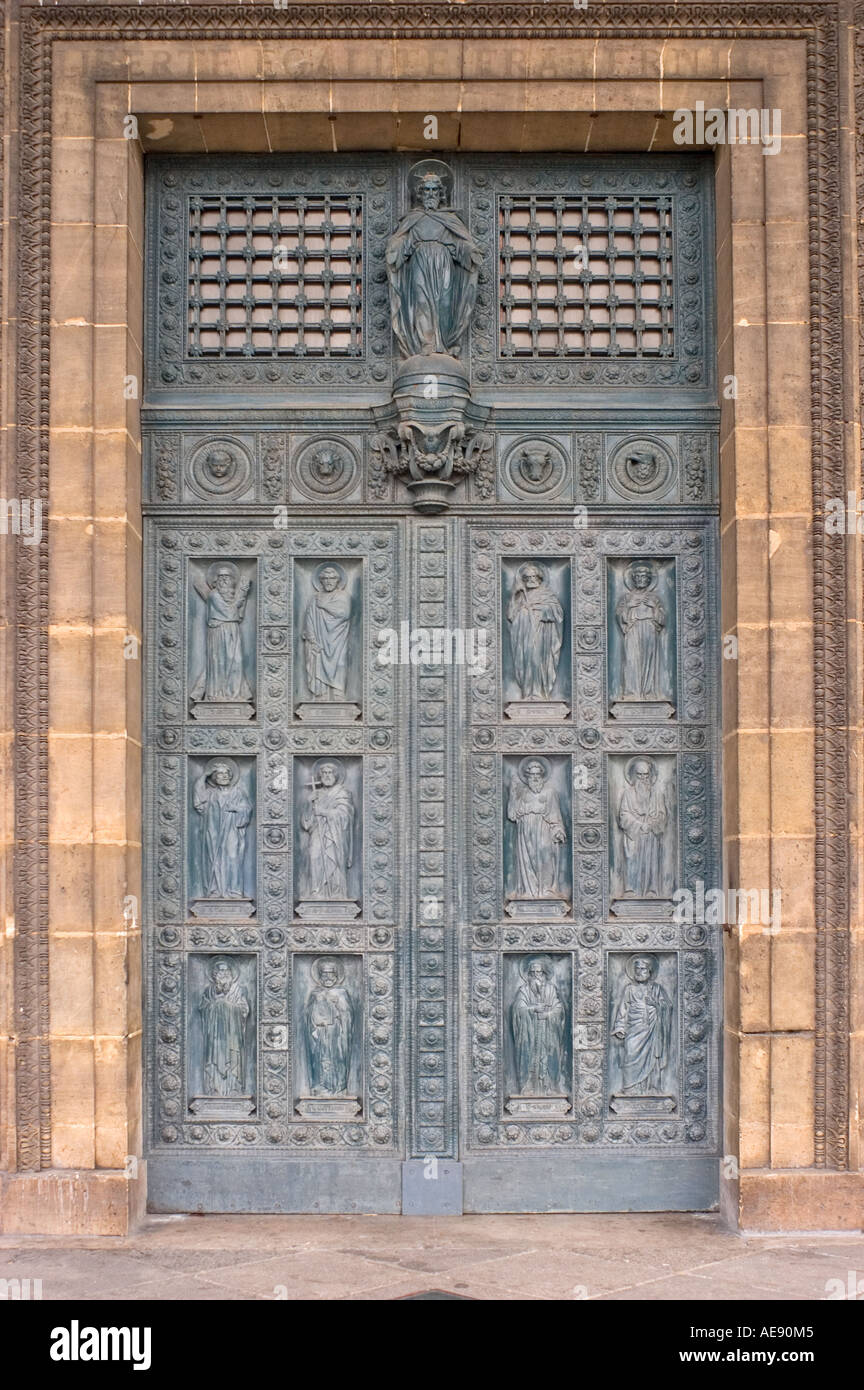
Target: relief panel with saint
point(328, 838)
point(221, 838)
point(643, 1032)
point(643, 835)
point(328, 640)
point(328, 1036)
point(221, 640)
point(537, 836)
point(536, 617)
point(641, 627)
point(537, 1027)
point(221, 1035)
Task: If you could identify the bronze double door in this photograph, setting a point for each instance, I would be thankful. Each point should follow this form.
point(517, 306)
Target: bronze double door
point(431, 693)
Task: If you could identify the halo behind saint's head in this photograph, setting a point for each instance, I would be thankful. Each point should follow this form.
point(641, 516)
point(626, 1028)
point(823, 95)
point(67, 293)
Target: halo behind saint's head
point(228, 964)
point(329, 762)
point(333, 963)
point(418, 172)
point(651, 962)
point(543, 961)
point(329, 565)
point(227, 763)
point(630, 769)
point(640, 565)
point(526, 763)
point(222, 567)
point(533, 565)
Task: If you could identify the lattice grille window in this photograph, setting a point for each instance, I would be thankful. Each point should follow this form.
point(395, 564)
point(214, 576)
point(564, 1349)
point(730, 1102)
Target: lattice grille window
point(275, 276)
point(586, 276)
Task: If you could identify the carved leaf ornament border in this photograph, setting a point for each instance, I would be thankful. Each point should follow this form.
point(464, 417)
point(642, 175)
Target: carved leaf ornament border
point(817, 24)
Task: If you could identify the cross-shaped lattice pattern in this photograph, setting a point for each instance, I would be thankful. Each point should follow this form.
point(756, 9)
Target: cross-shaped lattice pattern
point(586, 276)
point(275, 276)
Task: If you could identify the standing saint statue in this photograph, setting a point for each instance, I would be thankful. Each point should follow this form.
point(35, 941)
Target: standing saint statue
point(326, 630)
point(536, 621)
point(224, 596)
point(641, 616)
point(328, 822)
point(643, 1026)
point(538, 1019)
point(432, 266)
point(534, 806)
point(328, 1022)
point(643, 818)
point(226, 811)
point(224, 1010)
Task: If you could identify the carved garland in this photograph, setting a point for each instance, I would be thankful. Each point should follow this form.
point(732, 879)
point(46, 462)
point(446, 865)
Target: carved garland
point(817, 24)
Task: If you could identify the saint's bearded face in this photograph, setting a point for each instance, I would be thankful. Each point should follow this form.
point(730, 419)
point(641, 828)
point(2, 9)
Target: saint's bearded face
point(535, 776)
point(225, 584)
point(532, 579)
point(327, 975)
point(641, 971)
point(430, 193)
point(328, 775)
point(329, 580)
point(642, 577)
point(221, 979)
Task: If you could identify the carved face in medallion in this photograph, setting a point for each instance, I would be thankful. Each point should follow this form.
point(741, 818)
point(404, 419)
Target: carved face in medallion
point(326, 465)
point(535, 464)
point(642, 467)
point(219, 463)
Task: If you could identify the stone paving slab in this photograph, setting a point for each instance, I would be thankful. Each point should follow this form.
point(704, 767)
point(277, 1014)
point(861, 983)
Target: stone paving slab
point(664, 1256)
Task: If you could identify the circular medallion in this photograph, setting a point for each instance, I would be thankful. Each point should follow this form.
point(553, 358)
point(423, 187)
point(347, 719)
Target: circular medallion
point(326, 468)
point(219, 468)
point(642, 468)
point(535, 467)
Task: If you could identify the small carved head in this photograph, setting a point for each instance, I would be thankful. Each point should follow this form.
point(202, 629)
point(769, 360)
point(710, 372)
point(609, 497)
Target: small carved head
point(641, 574)
point(328, 973)
point(328, 774)
point(534, 773)
point(329, 579)
point(642, 465)
point(642, 969)
point(532, 576)
point(219, 463)
point(224, 581)
point(222, 975)
point(535, 463)
point(220, 775)
point(326, 464)
point(641, 773)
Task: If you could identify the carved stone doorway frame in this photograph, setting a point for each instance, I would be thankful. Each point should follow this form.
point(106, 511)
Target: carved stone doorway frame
point(201, 78)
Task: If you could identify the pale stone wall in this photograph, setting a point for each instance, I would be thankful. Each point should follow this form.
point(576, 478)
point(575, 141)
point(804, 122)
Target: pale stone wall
point(563, 93)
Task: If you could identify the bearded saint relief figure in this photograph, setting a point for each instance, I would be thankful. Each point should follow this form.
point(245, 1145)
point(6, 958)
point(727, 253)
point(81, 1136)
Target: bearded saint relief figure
point(432, 266)
point(326, 640)
point(538, 1019)
point(641, 618)
point(327, 844)
point(644, 820)
point(329, 1025)
point(535, 809)
point(536, 623)
point(642, 1026)
point(221, 690)
point(224, 1010)
point(226, 811)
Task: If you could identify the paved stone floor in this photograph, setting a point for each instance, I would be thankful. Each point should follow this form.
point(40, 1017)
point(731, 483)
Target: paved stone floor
point(483, 1257)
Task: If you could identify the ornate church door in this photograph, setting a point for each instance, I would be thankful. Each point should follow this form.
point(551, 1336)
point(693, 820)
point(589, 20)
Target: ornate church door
point(431, 724)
